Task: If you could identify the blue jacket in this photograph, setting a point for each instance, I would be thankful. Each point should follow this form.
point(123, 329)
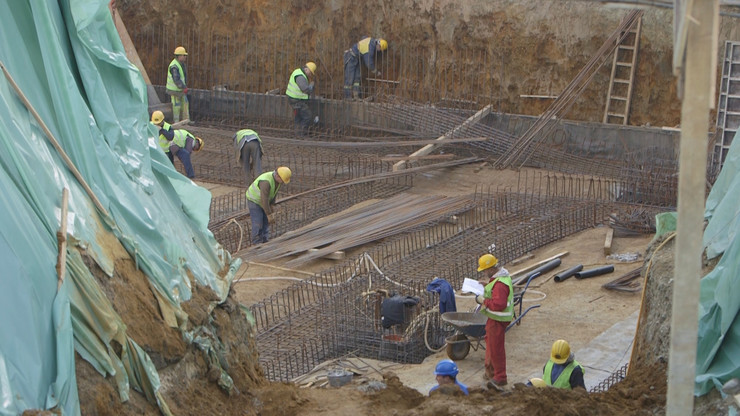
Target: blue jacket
point(446, 294)
point(369, 57)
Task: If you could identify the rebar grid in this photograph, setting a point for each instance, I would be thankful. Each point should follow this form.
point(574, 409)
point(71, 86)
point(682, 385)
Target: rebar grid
point(613, 379)
point(295, 310)
point(260, 62)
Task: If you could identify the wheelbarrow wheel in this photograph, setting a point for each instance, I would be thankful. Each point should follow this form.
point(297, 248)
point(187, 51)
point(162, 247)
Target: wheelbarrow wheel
point(458, 347)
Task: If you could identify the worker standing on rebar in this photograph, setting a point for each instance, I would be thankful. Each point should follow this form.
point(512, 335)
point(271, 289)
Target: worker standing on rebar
point(300, 89)
point(166, 134)
point(364, 51)
point(183, 145)
point(260, 200)
point(249, 153)
point(177, 87)
point(497, 303)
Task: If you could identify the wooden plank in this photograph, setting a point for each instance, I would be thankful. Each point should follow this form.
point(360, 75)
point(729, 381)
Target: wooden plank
point(62, 241)
point(337, 255)
point(430, 147)
point(608, 241)
point(128, 45)
point(427, 157)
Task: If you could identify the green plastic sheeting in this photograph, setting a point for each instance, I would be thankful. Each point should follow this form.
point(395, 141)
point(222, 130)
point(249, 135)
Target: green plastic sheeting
point(718, 349)
point(67, 59)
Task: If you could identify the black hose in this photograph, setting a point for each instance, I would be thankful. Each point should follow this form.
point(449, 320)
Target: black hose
point(595, 272)
point(568, 273)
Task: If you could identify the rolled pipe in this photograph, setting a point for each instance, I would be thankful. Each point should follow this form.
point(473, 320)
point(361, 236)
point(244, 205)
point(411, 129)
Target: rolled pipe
point(545, 267)
point(568, 273)
point(594, 272)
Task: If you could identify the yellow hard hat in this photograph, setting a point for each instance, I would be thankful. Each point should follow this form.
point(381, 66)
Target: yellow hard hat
point(311, 67)
point(538, 382)
point(383, 44)
point(560, 351)
point(180, 51)
point(200, 142)
point(157, 117)
point(486, 261)
point(284, 174)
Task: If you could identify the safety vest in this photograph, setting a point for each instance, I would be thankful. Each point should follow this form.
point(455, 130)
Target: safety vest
point(253, 192)
point(293, 91)
point(364, 45)
point(181, 138)
point(170, 81)
point(563, 381)
point(246, 132)
point(163, 142)
point(507, 315)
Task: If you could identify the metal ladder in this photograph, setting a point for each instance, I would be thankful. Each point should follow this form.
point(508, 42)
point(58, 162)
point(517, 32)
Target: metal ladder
point(728, 108)
point(623, 73)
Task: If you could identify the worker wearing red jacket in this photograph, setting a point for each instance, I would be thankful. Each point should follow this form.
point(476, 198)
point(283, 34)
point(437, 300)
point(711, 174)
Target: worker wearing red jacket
point(497, 303)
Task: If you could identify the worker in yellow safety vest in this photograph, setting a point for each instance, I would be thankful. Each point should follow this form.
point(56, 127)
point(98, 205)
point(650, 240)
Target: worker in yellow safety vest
point(183, 144)
point(497, 303)
point(166, 134)
point(363, 51)
point(249, 153)
point(261, 198)
point(177, 87)
point(561, 370)
point(300, 89)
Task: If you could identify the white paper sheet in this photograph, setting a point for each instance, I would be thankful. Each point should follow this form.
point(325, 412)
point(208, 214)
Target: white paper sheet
point(472, 286)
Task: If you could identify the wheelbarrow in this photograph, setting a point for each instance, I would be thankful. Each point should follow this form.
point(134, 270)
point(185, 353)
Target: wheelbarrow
point(470, 327)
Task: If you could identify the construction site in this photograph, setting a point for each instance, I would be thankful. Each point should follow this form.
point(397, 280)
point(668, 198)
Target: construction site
point(550, 134)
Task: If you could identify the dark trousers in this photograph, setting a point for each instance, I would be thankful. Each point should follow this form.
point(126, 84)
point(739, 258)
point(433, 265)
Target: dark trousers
point(251, 160)
point(171, 157)
point(260, 225)
point(351, 74)
point(301, 116)
point(184, 157)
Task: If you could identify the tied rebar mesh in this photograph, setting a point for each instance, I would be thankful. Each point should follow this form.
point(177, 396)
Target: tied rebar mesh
point(610, 381)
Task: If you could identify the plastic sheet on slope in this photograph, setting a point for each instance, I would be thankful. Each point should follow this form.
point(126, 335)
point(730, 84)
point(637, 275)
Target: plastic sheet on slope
point(718, 349)
point(68, 61)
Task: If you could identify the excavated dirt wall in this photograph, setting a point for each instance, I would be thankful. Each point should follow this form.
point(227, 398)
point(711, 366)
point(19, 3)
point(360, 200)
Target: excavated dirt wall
point(530, 47)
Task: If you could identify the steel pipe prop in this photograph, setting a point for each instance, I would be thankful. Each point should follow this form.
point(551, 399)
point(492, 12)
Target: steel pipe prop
point(594, 272)
point(568, 273)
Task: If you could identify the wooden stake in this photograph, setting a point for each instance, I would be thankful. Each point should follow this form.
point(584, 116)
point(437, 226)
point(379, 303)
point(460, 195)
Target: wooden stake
point(608, 241)
point(62, 241)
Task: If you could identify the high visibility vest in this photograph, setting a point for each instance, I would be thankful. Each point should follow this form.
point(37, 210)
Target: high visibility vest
point(163, 142)
point(181, 138)
point(364, 45)
point(170, 81)
point(293, 91)
point(507, 315)
point(247, 132)
point(563, 381)
point(253, 192)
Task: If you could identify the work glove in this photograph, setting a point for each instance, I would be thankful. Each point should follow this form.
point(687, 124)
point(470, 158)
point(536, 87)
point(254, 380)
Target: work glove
point(162, 131)
point(316, 120)
point(479, 299)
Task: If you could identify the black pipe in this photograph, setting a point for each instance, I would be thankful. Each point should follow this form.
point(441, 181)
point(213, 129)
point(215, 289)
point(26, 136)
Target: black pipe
point(594, 272)
point(568, 273)
point(545, 267)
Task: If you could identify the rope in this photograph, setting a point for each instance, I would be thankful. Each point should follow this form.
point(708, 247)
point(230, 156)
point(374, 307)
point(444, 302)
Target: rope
point(241, 233)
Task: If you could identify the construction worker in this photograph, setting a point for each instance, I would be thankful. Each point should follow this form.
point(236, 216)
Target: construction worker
point(249, 153)
point(166, 134)
point(446, 374)
point(364, 51)
point(562, 370)
point(177, 86)
point(497, 303)
point(182, 145)
point(300, 89)
point(261, 198)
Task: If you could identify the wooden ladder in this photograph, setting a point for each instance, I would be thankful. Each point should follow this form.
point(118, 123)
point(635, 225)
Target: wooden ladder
point(623, 74)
